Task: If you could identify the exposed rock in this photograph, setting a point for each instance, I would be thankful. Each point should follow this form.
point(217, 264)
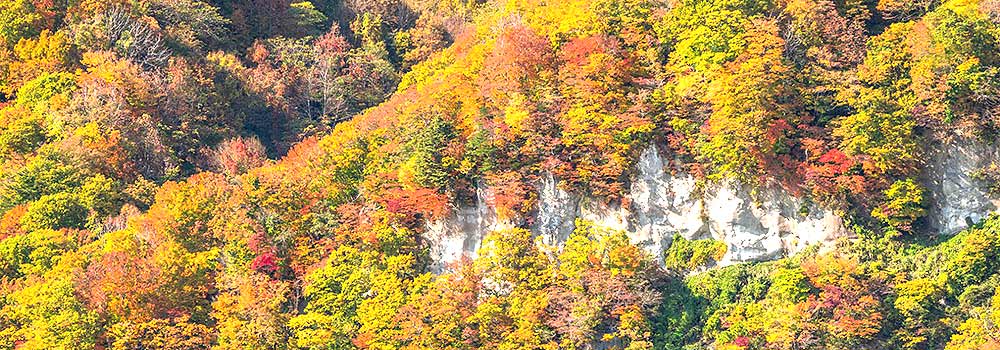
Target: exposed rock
point(462, 232)
point(758, 226)
point(662, 203)
point(957, 199)
point(769, 225)
point(556, 212)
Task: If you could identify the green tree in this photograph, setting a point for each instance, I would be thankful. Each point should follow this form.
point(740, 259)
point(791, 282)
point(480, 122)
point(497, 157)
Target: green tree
point(18, 20)
point(55, 211)
point(904, 203)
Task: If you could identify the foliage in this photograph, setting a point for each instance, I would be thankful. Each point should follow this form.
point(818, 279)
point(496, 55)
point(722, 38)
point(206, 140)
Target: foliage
point(686, 255)
point(904, 204)
point(271, 174)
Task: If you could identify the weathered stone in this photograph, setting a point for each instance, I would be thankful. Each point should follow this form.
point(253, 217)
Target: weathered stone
point(765, 225)
point(956, 197)
point(462, 232)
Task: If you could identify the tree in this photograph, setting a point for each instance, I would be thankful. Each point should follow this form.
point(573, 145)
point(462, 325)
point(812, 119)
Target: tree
point(169, 334)
point(21, 131)
point(46, 314)
point(18, 20)
point(521, 60)
point(250, 311)
point(48, 53)
point(238, 155)
point(917, 301)
point(191, 24)
point(45, 174)
point(37, 93)
point(685, 255)
point(979, 331)
point(32, 253)
point(904, 203)
point(55, 211)
point(749, 126)
point(511, 259)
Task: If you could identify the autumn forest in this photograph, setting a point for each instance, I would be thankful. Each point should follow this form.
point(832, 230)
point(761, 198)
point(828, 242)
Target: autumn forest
point(273, 174)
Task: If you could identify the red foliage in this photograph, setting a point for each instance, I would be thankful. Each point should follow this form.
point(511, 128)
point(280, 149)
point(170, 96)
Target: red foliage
point(512, 195)
point(266, 262)
point(258, 241)
point(742, 341)
point(595, 71)
point(833, 172)
point(239, 154)
point(414, 203)
point(49, 12)
point(517, 63)
point(125, 285)
point(848, 302)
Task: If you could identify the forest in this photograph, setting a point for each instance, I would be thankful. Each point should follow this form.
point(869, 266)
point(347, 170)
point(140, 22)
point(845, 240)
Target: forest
point(259, 174)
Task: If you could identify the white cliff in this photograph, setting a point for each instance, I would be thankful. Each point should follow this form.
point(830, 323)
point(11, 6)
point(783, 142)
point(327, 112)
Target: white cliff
point(769, 225)
point(957, 198)
point(765, 225)
point(462, 232)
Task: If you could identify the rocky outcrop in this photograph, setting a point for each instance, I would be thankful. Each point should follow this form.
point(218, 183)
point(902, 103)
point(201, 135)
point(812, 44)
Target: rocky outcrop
point(769, 225)
point(661, 205)
point(756, 226)
point(662, 202)
point(462, 232)
point(957, 198)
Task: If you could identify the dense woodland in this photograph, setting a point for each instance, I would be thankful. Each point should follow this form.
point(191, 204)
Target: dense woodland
point(256, 174)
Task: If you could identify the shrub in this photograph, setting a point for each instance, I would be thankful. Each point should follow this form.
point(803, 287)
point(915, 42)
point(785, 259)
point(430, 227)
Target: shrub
point(904, 203)
point(21, 131)
point(239, 154)
point(55, 211)
point(689, 255)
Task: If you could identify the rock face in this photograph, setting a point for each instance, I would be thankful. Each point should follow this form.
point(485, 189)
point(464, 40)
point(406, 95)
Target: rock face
point(662, 204)
point(462, 232)
point(765, 225)
point(769, 225)
point(957, 199)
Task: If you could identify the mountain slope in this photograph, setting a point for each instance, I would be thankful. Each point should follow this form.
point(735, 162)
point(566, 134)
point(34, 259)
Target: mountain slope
point(512, 120)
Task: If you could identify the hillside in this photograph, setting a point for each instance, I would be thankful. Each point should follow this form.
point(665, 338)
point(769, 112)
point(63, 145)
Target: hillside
point(520, 174)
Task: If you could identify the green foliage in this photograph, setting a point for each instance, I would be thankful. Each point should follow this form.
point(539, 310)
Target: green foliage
point(686, 255)
point(55, 211)
point(44, 87)
point(426, 164)
point(47, 314)
point(709, 33)
point(789, 284)
point(880, 132)
point(32, 253)
point(331, 247)
point(45, 174)
point(17, 20)
point(307, 16)
point(917, 302)
point(101, 196)
point(21, 131)
point(172, 334)
point(510, 258)
point(904, 203)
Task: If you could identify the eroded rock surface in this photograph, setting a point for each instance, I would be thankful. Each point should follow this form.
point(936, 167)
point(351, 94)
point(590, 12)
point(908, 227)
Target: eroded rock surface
point(765, 225)
point(957, 198)
point(462, 232)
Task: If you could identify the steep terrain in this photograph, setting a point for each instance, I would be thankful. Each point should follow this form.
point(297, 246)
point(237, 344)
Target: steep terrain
point(756, 226)
point(522, 174)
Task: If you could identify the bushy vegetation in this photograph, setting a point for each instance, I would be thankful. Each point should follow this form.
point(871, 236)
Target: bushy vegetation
point(187, 174)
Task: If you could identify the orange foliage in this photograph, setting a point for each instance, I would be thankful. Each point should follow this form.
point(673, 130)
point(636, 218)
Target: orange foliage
point(10, 222)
